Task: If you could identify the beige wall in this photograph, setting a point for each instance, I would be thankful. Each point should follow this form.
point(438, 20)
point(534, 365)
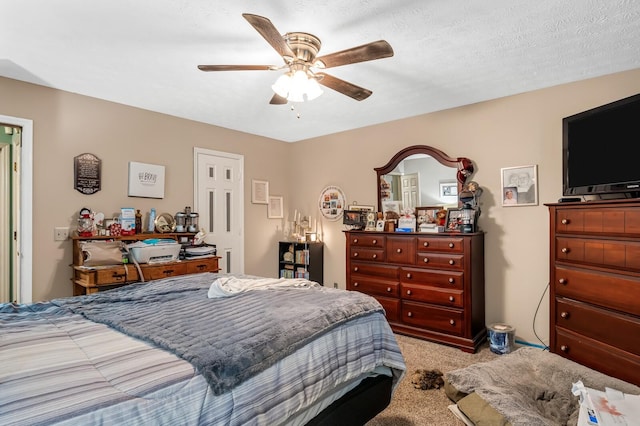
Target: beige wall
point(513, 131)
point(518, 130)
point(66, 125)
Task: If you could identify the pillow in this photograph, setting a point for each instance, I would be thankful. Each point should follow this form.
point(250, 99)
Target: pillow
point(480, 412)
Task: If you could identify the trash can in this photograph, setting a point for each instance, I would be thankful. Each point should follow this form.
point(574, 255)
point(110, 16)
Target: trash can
point(501, 338)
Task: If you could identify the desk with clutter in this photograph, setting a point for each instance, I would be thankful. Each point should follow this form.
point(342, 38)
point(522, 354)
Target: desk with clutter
point(109, 254)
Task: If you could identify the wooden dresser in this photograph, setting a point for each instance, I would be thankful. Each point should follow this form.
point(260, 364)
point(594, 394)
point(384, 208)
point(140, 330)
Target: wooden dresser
point(430, 285)
point(91, 280)
point(595, 285)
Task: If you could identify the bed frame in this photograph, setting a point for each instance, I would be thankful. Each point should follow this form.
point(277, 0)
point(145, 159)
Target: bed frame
point(359, 405)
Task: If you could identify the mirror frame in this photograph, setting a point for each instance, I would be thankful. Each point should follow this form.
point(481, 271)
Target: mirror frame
point(463, 164)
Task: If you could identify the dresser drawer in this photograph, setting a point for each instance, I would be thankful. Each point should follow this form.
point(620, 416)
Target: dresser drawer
point(599, 288)
point(439, 296)
point(363, 240)
point(372, 269)
point(449, 244)
point(164, 271)
point(441, 260)
point(391, 308)
point(202, 265)
point(606, 253)
point(401, 250)
point(106, 275)
point(446, 320)
point(433, 277)
point(622, 331)
point(365, 253)
point(373, 286)
point(597, 355)
point(598, 220)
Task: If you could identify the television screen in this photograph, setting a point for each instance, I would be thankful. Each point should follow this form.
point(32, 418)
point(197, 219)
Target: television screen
point(601, 149)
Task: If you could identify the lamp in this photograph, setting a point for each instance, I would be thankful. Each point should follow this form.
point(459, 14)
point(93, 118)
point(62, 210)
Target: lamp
point(297, 86)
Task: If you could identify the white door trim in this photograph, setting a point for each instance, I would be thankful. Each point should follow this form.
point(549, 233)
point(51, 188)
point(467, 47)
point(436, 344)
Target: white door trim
point(25, 233)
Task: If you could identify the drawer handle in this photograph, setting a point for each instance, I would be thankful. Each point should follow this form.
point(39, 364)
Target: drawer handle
point(451, 299)
point(565, 221)
point(451, 261)
point(408, 292)
point(452, 322)
point(426, 244)
point(450, 245)
point(375, 256)
point(562, 281)
point(425, 260)
point(451, 280)
point(355, 254)
point(375, 241)
point(398, 250)
point(388, 289)
point(564, 348)
point(356, 284)
point(167, 271)
point(565, 315)
point(409, 314)
point(408, 274)
point(565, 250)
point(356, 269)
point(201, 267)
point(355, 241)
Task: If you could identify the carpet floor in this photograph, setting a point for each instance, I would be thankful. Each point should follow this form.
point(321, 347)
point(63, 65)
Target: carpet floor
point(417, 407)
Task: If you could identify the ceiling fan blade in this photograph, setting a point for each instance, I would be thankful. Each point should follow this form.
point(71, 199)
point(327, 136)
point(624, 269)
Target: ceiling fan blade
point(236, 67)
point(270, 33)
point(367, 52)
point(356, 92)
point(278, 100)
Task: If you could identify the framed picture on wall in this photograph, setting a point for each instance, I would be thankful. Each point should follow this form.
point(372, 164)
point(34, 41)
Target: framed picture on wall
point(519, 186)
point(259, 192)
point(275, 208)
point(146, 180)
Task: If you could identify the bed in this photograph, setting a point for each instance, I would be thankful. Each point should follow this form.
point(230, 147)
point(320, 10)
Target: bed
point(168, 352)
point(529, 386)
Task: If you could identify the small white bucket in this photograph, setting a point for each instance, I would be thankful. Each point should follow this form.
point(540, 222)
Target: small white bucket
point(501, 338)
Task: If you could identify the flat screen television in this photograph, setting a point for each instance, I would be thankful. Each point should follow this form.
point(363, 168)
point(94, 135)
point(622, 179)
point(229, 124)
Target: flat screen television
point(601, 151)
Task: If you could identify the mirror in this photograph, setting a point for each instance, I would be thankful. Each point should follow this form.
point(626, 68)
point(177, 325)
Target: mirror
point(421, 176)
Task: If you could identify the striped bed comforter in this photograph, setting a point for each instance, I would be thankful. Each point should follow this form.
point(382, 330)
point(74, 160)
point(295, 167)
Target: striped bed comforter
point(57, 367)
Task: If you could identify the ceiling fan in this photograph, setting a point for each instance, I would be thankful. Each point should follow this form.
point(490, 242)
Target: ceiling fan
point(299, 51)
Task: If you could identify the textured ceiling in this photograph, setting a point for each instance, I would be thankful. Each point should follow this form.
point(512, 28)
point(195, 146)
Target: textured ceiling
point(144, 53)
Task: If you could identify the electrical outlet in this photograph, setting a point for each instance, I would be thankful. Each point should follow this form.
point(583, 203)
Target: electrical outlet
point(60, 233)
point(335, 285)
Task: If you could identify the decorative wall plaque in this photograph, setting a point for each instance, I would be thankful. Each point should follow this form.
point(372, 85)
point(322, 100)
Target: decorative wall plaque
point(332, 202)
point(87, 172)
point(146, 180)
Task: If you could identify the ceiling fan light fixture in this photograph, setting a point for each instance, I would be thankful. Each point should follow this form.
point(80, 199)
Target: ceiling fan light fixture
point(313, 89)
point(282, 85)
point(297, 87)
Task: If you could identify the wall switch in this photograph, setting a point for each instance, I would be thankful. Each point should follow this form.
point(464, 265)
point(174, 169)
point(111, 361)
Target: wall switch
point(60, 233)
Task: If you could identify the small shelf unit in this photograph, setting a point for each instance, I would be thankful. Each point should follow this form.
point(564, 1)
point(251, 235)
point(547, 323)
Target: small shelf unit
point(301, 260)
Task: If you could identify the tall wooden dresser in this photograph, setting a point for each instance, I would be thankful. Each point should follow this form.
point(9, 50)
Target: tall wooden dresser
point(430, 285)
point(595, 285)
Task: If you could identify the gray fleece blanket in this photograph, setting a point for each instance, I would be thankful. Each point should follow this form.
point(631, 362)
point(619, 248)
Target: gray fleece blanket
point(532, 387)
point(228, 340)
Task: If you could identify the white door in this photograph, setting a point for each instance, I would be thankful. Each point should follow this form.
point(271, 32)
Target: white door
point(219, 200)
point(21, 209)
point(410, 189)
